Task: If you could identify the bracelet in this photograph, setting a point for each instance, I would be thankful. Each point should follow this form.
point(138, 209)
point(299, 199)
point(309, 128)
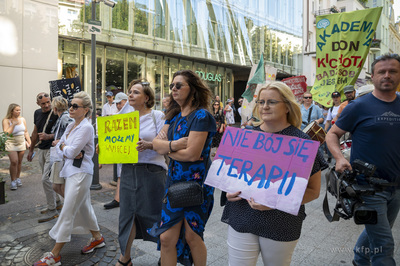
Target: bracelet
point(170, 147)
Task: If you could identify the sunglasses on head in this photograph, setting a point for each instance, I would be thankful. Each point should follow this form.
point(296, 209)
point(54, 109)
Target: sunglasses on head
point(177, 85)
point(74, 106)
point(307, 97)
point(42, 95)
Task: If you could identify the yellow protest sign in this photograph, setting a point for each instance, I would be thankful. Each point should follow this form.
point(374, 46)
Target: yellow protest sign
point(118, 135)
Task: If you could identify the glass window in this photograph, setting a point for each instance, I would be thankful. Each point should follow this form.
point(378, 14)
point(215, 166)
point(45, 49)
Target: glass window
point(153, 75)
point(120, 15)
point(170, 67)
point(141, 16)
point(191, 23)
point(136, 65)
point(115, 69)
point(69, 55)
point(70, 17)
point(87, 73)
point(159, 27)
point(228, 92)
point(88, 11)
point(184, 64)
point(212, 78)
point(200, 69)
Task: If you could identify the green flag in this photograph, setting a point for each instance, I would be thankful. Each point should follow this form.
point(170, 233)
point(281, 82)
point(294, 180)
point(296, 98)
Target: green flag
point(343, 41)
point(258, 78)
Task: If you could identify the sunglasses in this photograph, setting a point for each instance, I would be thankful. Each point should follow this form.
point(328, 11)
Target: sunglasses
point(177, 85)
point(307, 97)
point(74, 106)
point(43, 95)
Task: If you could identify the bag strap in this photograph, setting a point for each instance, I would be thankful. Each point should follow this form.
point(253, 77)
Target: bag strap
point(309, 115)
point(325, 206)
point(154, 121)
point(45, 125)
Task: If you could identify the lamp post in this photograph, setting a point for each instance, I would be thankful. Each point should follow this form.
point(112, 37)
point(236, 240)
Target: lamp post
point(95, 182)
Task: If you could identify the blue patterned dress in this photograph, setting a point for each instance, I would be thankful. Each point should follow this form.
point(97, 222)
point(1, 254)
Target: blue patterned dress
point(200, 120)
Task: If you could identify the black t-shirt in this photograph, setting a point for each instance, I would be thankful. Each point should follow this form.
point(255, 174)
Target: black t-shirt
point(39, 119)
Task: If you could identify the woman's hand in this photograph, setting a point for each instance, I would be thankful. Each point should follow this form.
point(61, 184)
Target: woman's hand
point(79, 156)
point(233, 196)
point(97, 148)
point(144, 145)
point(257, 206)
point(162, 135)
point(179, 144)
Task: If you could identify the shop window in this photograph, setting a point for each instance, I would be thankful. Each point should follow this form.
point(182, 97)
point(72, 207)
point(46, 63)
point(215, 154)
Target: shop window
point(115, 69)
point(153, 75)
point(170, 67)
point(136, 65)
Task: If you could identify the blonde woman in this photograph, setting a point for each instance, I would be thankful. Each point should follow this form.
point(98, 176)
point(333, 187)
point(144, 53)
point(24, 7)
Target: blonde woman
point(16, 145)
point(255, 228)
point(60, 107)
point(77, 216)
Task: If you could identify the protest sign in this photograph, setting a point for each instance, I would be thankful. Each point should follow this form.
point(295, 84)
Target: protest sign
point(298, 86)
point(118, 135)
point(343, 42)
point(270, 168)
point(65, 87)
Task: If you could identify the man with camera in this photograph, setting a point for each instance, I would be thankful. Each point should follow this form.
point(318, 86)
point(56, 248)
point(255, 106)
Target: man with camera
point(374, 122)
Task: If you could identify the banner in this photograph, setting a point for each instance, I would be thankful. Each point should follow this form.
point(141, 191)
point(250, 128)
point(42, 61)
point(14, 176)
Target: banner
point(298, 86)
point(118, 135)
point(269, 75)
point(343, 41)
point(65, 88)
point(270, 168)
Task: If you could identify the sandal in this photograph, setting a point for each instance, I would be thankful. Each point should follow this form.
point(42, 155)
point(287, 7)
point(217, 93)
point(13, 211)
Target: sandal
point(126, 263)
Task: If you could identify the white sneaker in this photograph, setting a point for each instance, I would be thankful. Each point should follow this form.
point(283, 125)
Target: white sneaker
point(13, 185)
point(19, 183)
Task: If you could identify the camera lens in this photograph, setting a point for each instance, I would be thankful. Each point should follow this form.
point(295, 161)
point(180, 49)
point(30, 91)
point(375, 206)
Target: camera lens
point(363, 215)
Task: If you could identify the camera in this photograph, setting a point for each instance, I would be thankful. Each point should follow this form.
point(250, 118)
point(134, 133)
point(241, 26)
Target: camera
point(344, 187)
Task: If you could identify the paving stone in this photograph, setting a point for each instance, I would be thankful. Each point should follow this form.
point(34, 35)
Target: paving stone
point(107, 259)
point(112, 248)
point(18, 260)
point(110, 254)
point(95, 259)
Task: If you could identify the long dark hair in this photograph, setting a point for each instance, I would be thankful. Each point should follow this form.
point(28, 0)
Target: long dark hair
point(200, 95)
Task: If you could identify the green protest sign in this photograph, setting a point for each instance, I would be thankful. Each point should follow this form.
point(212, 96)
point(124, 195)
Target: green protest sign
point(343, 41)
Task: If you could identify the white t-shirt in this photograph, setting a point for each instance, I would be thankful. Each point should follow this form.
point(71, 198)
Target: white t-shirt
point(148, 131)
point(109, 109)
point(332, 113)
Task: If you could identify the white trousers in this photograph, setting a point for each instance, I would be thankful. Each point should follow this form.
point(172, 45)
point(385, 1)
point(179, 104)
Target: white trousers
point(77, 215)
point(244, 248)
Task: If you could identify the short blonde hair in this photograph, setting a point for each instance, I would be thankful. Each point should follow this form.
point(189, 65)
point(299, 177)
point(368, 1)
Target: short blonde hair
point(86, 101)
point(294, 114)
point(60, 103)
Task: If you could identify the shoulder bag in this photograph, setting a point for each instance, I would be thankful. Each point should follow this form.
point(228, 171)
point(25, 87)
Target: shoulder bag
point(186, 193)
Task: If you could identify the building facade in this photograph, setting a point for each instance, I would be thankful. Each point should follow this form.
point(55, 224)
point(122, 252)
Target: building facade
point(150, 39)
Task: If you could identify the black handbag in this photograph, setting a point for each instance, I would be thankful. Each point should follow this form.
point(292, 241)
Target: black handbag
point(184, 194)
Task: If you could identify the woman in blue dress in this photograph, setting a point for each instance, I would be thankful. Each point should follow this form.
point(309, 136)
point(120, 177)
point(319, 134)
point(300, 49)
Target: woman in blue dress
point(186, 138)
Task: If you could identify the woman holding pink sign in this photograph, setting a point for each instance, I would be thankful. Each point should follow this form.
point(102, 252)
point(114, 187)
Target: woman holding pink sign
point(255, 228)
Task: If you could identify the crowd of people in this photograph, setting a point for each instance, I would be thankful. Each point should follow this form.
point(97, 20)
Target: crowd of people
point(175, 147)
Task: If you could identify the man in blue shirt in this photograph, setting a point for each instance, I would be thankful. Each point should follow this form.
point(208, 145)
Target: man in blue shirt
point(310, 112)
point(374, 122)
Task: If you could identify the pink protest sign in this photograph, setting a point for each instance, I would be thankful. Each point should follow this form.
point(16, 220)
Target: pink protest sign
point(270, 168)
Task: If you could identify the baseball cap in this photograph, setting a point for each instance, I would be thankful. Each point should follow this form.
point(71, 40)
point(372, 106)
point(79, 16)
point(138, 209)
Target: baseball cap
point(109, 93)
point(335, 94)
point(348, 88)
point(120, 96)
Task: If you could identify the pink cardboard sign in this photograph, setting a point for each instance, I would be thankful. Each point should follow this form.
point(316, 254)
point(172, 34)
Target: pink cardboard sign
point(270, 168)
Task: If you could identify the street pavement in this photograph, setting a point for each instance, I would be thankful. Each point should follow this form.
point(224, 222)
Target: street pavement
point(23, 240)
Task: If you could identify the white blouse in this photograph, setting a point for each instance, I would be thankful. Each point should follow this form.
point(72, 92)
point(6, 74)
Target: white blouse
point(81, 138)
